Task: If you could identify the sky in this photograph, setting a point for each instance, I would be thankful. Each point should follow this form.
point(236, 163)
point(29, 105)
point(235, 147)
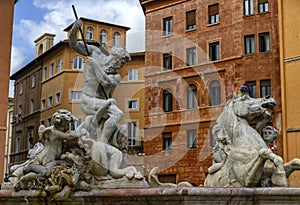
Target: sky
point(32, 18)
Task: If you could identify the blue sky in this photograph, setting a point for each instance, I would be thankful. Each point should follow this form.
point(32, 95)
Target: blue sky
point(32, 18)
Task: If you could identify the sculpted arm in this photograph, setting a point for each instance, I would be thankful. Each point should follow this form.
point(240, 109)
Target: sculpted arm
point(77, 45)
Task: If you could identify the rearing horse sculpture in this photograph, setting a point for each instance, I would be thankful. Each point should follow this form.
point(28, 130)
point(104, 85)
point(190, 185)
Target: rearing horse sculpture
point(240, 153)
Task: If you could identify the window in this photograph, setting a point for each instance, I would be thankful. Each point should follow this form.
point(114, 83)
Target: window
point(249, 44)
point(214, 51)
point(103, 37)
point(117, 39)
point(51, 69)
point(191, 92)
point(263, 6)
point(20, 110)
point(33, 81)
point(132, 133)
point(248, 7)
point(43, 104)
point(59, 68)
point(50, 101)
point(29, 139)
point(31, 106)
point(18, 141)
point(251, 88)
point(265, 88)
point(212, 138)
point(48, 122)
point(191, 139)
point(40, 51)
point(89, 33)
point(215, 93)
point(191, 56)
point(21, 88)
point(167, 61)
point(168, 26)
point(132, 74)
point(264, 42)
point(213, 14)
point(167, 100)
point(57, 98)
point(132, 104)
point(77, 62)
point(45, 73)
point(74, 124)
point(76, 95)
point(167, 178)
point(167, 141)
point(190, 20)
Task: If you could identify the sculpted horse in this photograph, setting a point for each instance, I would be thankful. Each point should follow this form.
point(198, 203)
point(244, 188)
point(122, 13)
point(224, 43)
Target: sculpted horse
point(240, 152)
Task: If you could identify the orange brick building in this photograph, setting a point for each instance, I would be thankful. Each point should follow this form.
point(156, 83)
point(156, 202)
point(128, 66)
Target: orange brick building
point(198, 53)
point(6, 22)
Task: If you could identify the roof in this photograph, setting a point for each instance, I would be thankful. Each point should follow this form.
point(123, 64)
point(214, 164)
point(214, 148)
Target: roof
point(99, 22)
point(39, 58)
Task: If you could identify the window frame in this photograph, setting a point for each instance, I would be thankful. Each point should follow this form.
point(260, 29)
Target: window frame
point(191, 55)
point(50, 101)
point(59, 65)
point(117, 39)
point(132, 104)
point(263, 6)
point(214, 51)
point(167, 61)
point(76, 95)
point(132, 133)
point(43, 104)
point(215, 93)
point(248, 7)
point(190, 19)
point(89, 33)
point(77, 63)
point(252, 88)
point(103, 37)
point(249, 44)
point(167, 101)
point(213, 14)
point(132, 74)
point(51, 70)
point(21, 88)
point(33, 80)
point(264, 42)
point(191, 134)
point(167, 141)
point(191, 96)
point(168, 26)
point(31, 106)
point(57, 98)
point(265, 87)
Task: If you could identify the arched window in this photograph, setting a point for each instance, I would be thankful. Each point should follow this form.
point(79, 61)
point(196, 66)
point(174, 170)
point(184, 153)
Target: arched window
point(117, 39)
point(77, 62)
point(167, 100)
point(89, 33)
point(40, 49)
point(191, 96)
point(133, 74)
point(59, 65)
point(215, 93)
point(103, 37)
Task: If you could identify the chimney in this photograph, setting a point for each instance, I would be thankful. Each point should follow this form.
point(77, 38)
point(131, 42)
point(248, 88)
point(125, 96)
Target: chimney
point(43, 43)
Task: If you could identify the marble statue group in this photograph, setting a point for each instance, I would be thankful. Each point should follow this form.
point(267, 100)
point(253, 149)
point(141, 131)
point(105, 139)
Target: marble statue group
point(90, 157)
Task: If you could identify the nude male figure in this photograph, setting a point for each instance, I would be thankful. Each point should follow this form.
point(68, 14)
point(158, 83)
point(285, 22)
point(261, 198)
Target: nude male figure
point(100, 79)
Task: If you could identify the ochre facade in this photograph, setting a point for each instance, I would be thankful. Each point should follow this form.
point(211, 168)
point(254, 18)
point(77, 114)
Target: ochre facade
point(290, 62)
point(166, 132)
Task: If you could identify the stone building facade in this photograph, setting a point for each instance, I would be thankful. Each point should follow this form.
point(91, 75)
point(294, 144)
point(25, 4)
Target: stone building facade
point(198, 54)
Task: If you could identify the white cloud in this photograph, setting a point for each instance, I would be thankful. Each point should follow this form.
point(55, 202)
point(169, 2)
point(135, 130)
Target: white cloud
point(59, 14)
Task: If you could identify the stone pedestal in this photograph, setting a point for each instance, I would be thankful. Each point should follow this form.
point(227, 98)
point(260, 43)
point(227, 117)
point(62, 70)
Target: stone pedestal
point(160, 196)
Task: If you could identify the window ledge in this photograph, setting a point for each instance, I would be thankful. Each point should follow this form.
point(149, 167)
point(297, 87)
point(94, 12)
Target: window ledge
point(213, 24)
point(265, 12)
point(167, 36)
point(190, 30)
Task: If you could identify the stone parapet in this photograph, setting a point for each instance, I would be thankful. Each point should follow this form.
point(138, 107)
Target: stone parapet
point(153, 196)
